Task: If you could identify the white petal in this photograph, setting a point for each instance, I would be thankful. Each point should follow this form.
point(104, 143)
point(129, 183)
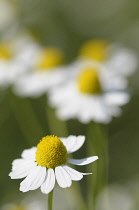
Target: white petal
point(75, 175)
point(21, 168)
point(37, 83)
point(86, 173)
point(123, 62)
point(34, 180)
point(17, 162)
point(83, 161)
point(112, 81)
point(29, 153)
point(49, 182)
point(94, 109)
point(73, 143)
point(62, 177)
point(115, 111)
point(117, 98)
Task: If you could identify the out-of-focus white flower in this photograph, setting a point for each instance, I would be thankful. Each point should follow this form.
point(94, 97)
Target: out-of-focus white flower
point(16, 55)
point(8, 13)
point(113, 57)
point(36, 205)
point(43, 164)
point(35, 200)
point(91, 94)
point(114, 197)
point(46, 72)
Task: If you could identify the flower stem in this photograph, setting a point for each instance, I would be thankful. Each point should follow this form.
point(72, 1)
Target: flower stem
point(26, 118)
point(97, 143)
point(50, 200)
point(56, 126)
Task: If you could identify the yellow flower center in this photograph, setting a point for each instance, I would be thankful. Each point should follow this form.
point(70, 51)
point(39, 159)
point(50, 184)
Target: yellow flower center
point(5, 52)
point(49, 58)
point(88, 81)
point(51, 152)
point(94, 50)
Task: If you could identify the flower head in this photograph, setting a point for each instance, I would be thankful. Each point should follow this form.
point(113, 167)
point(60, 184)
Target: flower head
point(113, 57)
point(91, 94)
point(48, 58)
point(96, 50)
point(25, 205)
point(16, 58)
point(120, 197)
point(88, 81)
point(51, 152)
point(46, 72)
point(5, 51)
point(48, 161)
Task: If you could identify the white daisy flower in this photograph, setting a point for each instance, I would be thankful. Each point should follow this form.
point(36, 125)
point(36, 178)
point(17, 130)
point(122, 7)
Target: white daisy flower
point(113, 80)
point(113, 57)
point(90, 95)
point(47, 162)
point(15, 58)
point(46, 72)
point(24, 206)
point(115, 197)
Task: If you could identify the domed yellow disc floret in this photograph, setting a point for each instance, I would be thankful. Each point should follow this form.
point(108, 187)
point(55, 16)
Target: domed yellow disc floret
point(94, 50)
point(88, 81)
point(51, 152)
point(5, 52)
point(49, 57)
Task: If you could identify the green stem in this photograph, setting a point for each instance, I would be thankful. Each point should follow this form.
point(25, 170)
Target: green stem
point(97, 144)
point(103, 155)
point(26, 118)
point(50, 200)
point(56, 126)
point(76, 193)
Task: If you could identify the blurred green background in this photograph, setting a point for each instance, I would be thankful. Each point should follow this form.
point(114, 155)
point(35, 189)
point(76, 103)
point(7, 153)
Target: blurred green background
point(67, 24)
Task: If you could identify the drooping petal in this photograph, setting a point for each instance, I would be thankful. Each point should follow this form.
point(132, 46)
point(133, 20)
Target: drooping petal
point(49, 182)
point(34, 180)
point(83, 161)
point(73, 143)
point(75, 175)
point(62, 177)
point(21, 168)
point(29, 153)
point(86, 173)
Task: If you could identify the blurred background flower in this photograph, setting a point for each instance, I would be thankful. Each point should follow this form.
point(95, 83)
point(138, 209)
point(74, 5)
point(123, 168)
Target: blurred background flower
point(47, 71)
point(115, 197)
point(90, 96)
point(16, 57)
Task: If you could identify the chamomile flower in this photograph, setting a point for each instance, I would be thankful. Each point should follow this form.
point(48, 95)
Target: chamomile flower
point(46, 72)
point(49, 161)
point(114, 58)
point(24, 206)
point(115, 197)
point(15, 58)
point(90, 95)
